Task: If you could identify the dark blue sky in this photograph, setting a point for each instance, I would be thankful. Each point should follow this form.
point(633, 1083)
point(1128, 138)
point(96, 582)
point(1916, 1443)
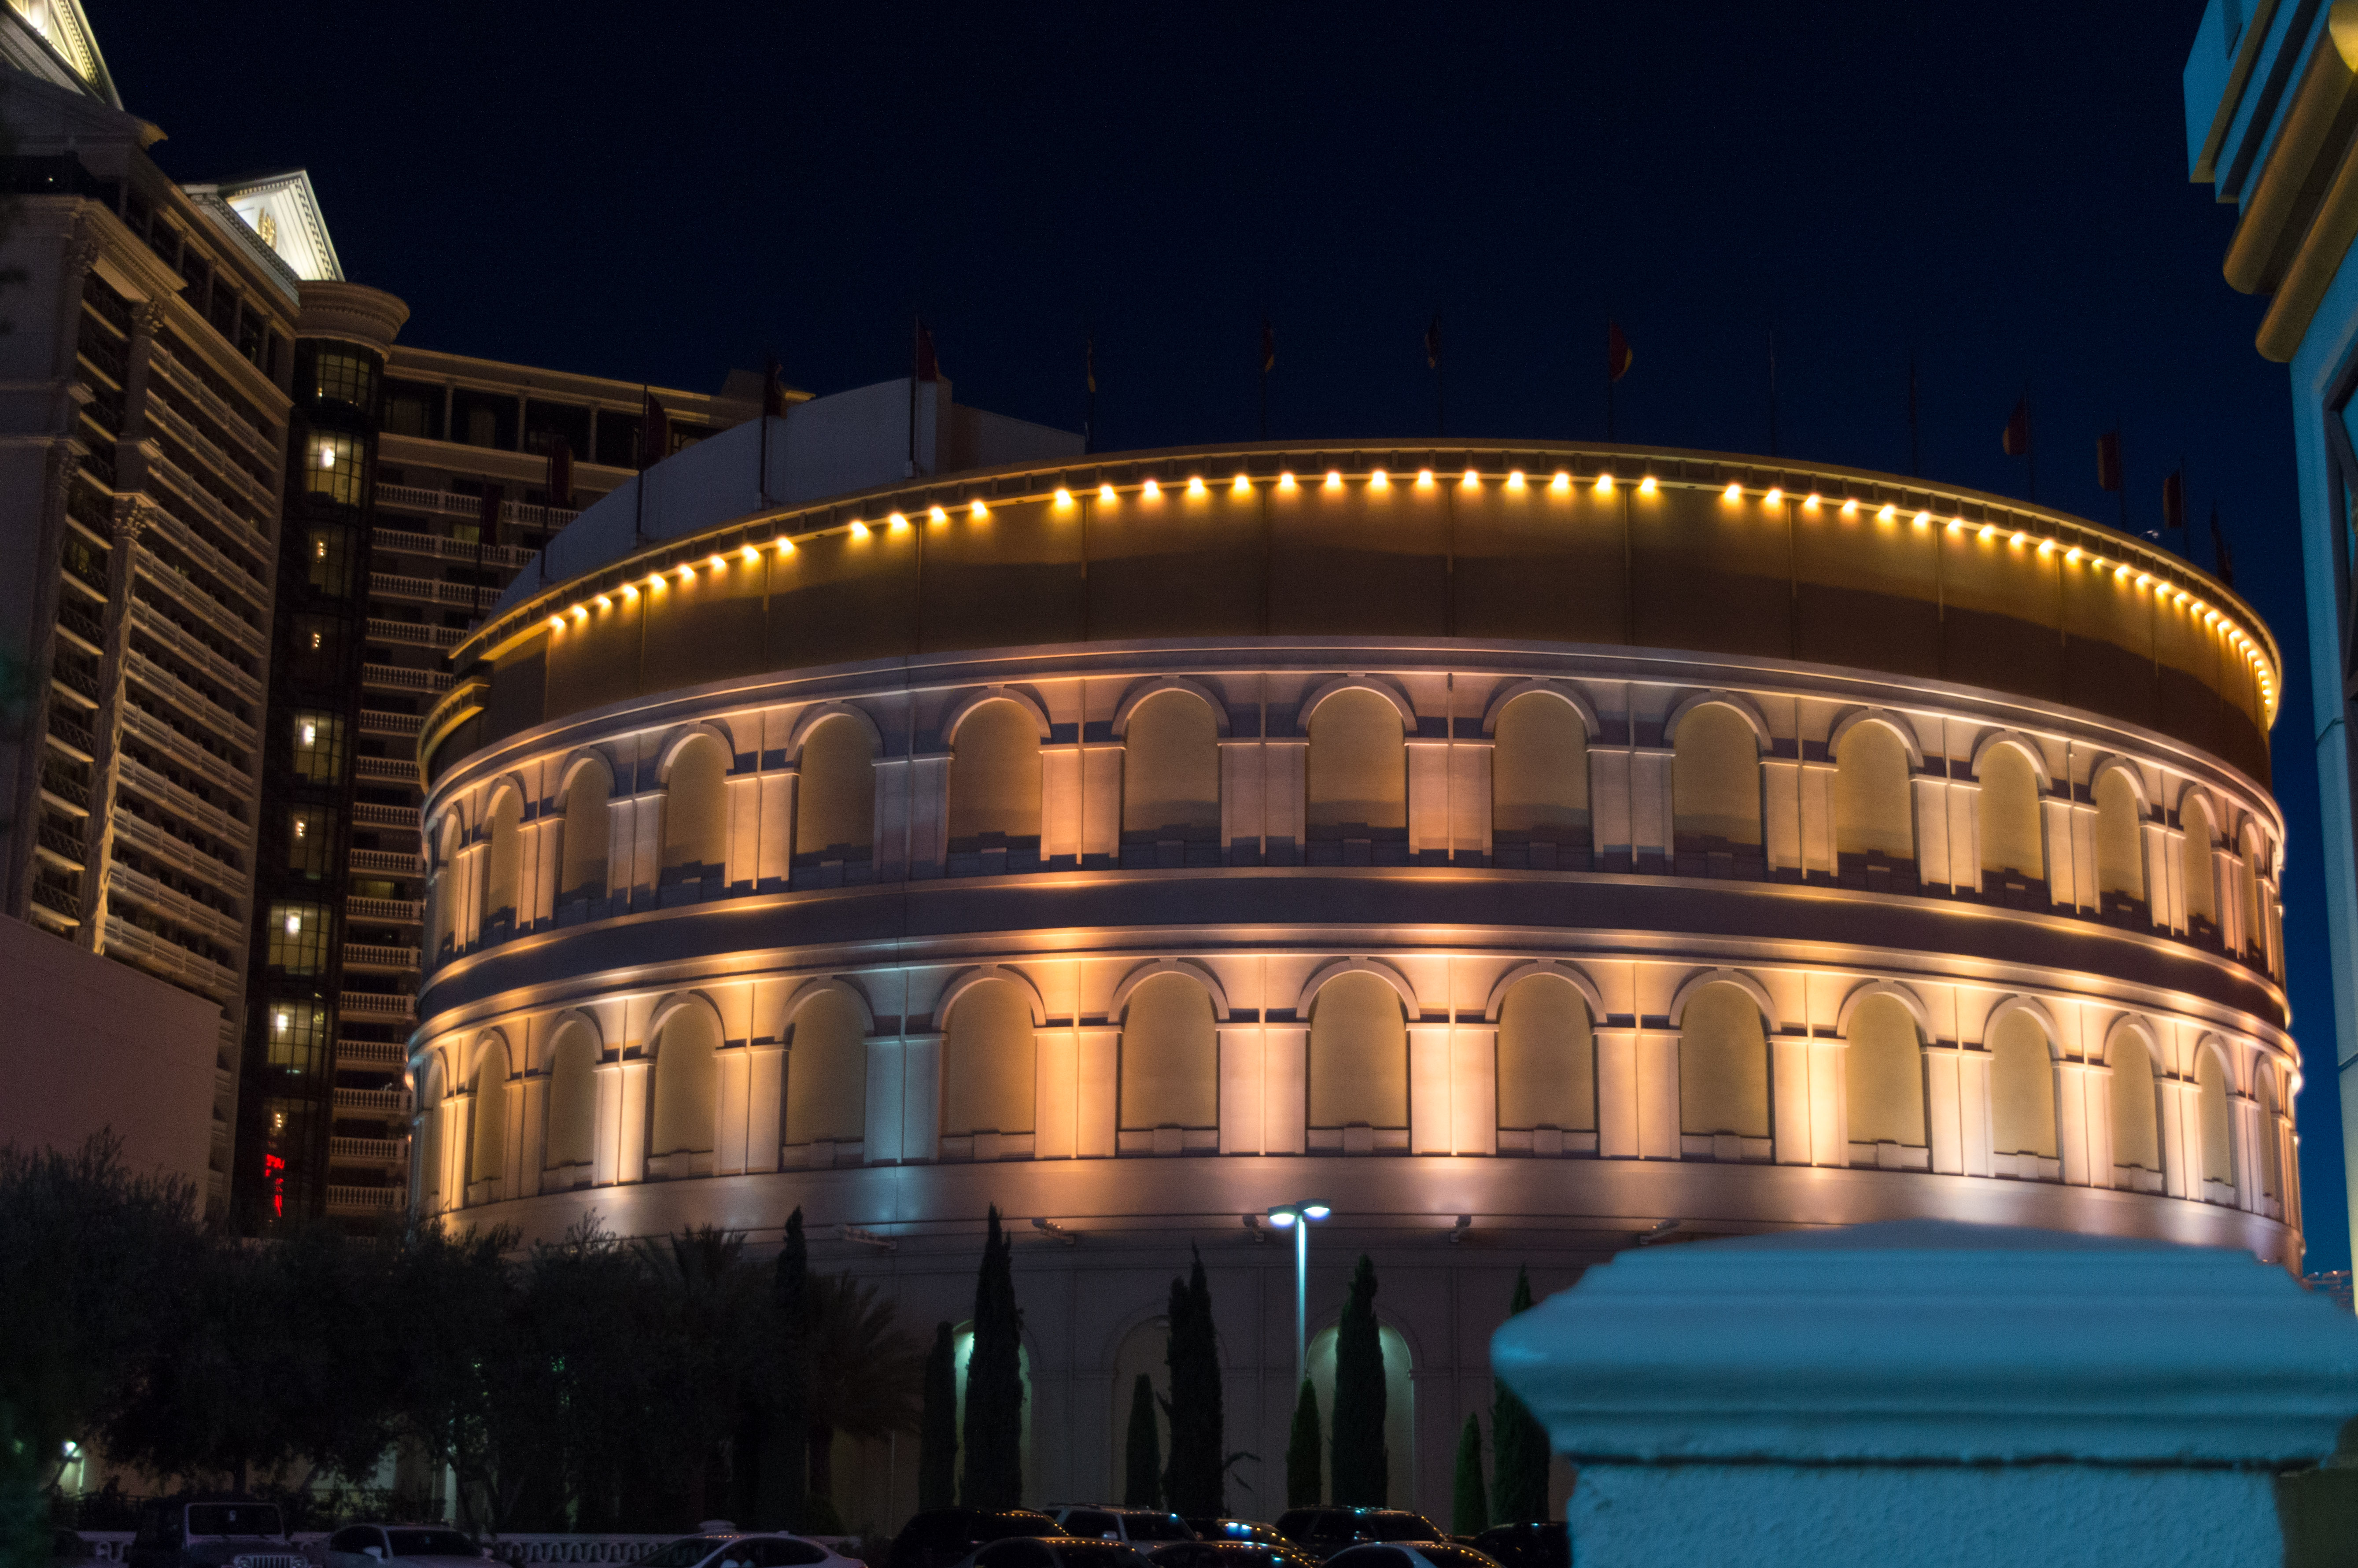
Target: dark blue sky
point(661, 192)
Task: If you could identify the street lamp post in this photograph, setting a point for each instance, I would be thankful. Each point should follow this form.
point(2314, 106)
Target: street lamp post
point(1297, 1218)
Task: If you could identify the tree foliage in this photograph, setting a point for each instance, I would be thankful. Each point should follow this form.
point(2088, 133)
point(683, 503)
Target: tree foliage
point(993, 1438)
point(1302, 1482)
point(1360, 1468)
point(1469, 1514)
point(1198, 1436)
point(937, 1433)
point(1519, 1444)
point(1141, 1453)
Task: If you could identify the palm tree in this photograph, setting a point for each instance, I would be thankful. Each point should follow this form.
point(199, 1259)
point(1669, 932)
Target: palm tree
point(867, 1373)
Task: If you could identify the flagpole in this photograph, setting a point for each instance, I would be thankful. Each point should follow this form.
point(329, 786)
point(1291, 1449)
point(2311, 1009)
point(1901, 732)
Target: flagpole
point(1772, 391)
point(1089, 423)
point(639, 489)
point(917, 328)
point(765, 485)
point(1915, 440)
point(1608, 378)
point(2120, 455)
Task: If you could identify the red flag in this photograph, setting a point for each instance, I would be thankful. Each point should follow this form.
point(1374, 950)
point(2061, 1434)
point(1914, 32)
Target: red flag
point(654, 434)
point(2173, 501)
point(487, 519)
point(1618, 356)
point(2015, 441)
point(1268, 346)
point(773, 391)
point(2108, 461)
point(927, 368)
point(560, 473)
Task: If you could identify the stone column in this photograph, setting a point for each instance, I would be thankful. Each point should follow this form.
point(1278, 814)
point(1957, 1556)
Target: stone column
point(1780, 815)
point(1936, 864)
point(1944, 1108)
point(929, 814)
point(630, 1146)
point(1819, 831)
point(1651, 807)
point(1429, 803)
point(921, 1096)
point(1609, 811)
point(1470, 824)
point(773, 863)
point(1055, 1102)
point(1431, 1113)
point(1657, 1061)
point(607, 1166)
point(1789, 1098)
point(2072, 1116)
point(742, 853)
point(1473, 1088)
point(528, 1148)
point(1097, 1050)
point(1242, 801)
point(732, 1074)
point(1244, 1088)
point(1285, 782)
point(1618, 1120)
point(1285, 1087)
point(766, 1101)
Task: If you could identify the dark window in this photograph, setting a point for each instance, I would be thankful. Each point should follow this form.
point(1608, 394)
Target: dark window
point(1397, 1524)
point(618, 438)
point(223, 313)
point(413, 408)
point(338, 375)
point(252, 343)
point(310, 833)
point(483, 420)
point(327, 559)
point(544, 422)
point(318, 649)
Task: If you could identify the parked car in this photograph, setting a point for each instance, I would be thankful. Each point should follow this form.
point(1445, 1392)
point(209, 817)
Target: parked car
point(1544, 1543)
point(938, 1538)
point(1233, 1553)
point(1133, 1525)
point(731, 1549)
point(212, 1532)
point(1410, 1554)
point(401, 1546)
point(1233, 1530)
point(1054, 1551)
point(1322, 1532)
point(68, 1550)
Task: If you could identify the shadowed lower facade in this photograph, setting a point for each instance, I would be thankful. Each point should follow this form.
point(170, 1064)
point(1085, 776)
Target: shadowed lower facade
point(1515, 848)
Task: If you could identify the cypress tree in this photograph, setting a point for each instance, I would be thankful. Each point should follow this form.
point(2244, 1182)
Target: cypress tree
point(1302, 1481)
point(1519, 1443)
point(785, 1476)
point(993, 1439)
point(1360, 1469)
point(1197, 1459)
point(1467, 1515)
point(937, 1425)
point(1141, 1485)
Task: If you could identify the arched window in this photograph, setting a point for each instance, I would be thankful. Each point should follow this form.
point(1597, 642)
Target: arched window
point(695, 821)
point(835, 800)
point(1538, 784)
point(989, 1062)
point(2013, 835)
point(2137, 1111)
point(2256, 939)
point(995, 784)
point(1723, 1063)
point(2218, 1135)
point(431, 1110)
point(503, 863)
point(1357, 780)
point(688, 1084)
point(2195, 868)
point(572, 1138)
point(2271, 1142)
point(1884, 1074)
point(2021, 1089)
point(1358, 1054)
point(826, 1072)
point(1170, 1057)
point(1874, 807)
point(1715, 793)
point(588, 836)
point(442, 892)
point(2120, 842)
point(1170, 779)
point(1547, 1056)
point(487, 1146)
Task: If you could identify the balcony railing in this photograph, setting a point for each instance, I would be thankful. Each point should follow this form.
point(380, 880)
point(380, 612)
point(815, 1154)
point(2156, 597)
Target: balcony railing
point(375, 721)
point(376, 1004)
point(384, 1053)
point(169, 958)
point(379, 1150)
point(392, 585)
point(73, 735)
point(122, 882)
point(451, 504)
point(375, 816)
point(370, 955)
point(399, 911)
point(64, 846)
point(386, 863)
point(386, 770)
point(510, 555)
point(394, 678)
point(365, 1200)
point(373, 1102)
point(386, 631)
point(50, 896)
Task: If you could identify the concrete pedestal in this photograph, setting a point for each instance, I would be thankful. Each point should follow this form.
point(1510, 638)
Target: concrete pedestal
point(1933, 1394)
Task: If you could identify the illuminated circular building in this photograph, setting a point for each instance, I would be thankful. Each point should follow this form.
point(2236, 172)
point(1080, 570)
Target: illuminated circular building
point(1519, 847)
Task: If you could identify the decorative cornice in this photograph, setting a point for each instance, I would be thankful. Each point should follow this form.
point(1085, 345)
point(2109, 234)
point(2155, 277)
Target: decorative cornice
point(351, 311)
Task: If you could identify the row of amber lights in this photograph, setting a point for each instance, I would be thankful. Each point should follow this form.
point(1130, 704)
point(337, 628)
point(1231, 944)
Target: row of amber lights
point(1560, 483)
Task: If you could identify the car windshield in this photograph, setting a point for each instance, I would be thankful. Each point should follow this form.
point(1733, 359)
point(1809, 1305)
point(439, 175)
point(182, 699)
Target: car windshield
point(234, 1518)
point(685, 1553)
point(1396, 1525)
point(1155, 1527)
point(1001, 1526)
point(429, 1543)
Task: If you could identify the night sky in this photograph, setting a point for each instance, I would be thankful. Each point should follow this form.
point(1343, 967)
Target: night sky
point(660, 192)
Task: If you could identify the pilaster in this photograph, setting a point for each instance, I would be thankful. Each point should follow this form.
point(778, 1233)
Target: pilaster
point(1430, 1111)
point(1429, 803)
point(1244, 1090)
point(1618, 1134)
point(1474, 1089)
point(1470, 824)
